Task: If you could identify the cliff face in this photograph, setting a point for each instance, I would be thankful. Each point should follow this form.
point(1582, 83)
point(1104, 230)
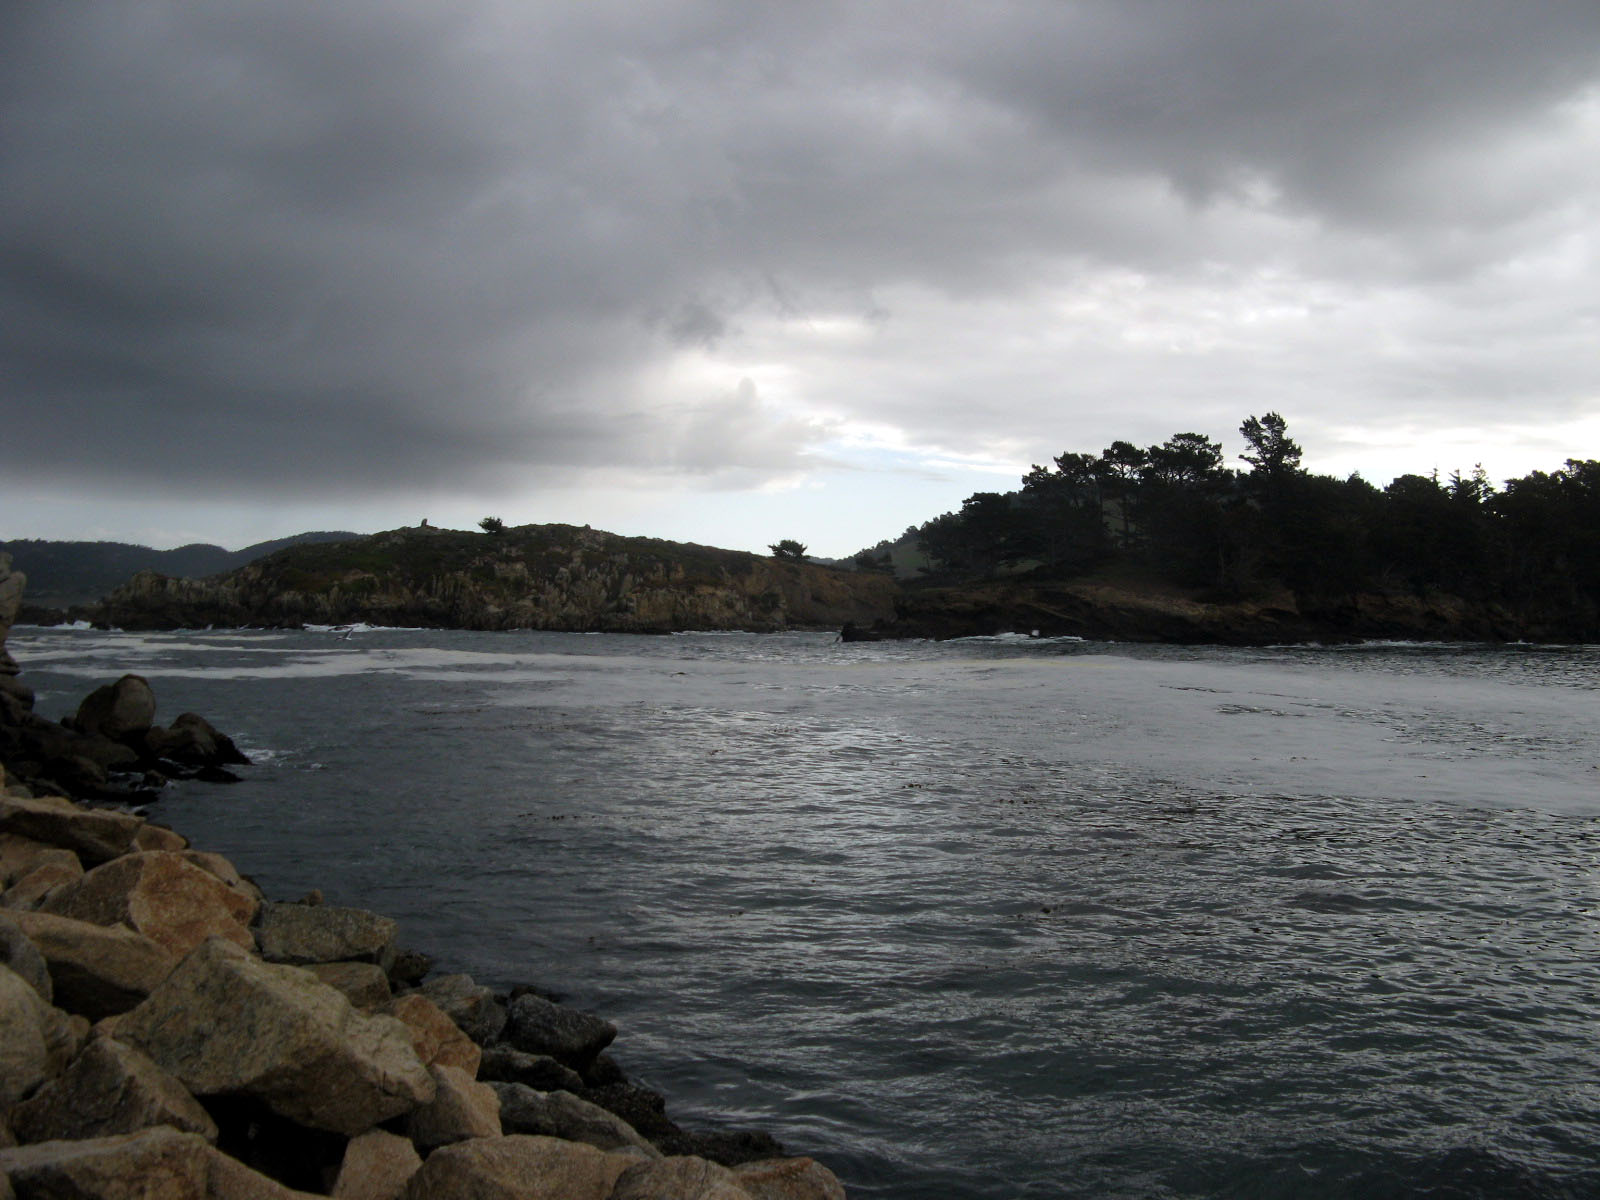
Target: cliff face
point(555, 577)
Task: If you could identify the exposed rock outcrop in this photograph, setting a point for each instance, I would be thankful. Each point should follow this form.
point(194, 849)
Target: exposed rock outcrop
point(557, 577)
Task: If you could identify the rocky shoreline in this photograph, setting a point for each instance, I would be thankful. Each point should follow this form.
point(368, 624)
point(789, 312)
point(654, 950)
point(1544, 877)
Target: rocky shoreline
point(166, 1030)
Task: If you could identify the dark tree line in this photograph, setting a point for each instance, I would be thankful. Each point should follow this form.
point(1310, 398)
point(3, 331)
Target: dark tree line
point(1179, 510)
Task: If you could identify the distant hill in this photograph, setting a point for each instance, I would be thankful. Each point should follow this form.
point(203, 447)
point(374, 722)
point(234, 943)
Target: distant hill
point(557, 577)
point(62, 574)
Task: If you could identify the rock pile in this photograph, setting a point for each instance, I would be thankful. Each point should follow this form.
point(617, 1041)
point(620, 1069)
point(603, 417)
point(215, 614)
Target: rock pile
point(165, 1030)
point(111, 748)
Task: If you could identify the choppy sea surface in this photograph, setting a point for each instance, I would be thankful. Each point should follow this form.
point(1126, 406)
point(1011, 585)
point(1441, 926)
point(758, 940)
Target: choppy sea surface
point(992, 918)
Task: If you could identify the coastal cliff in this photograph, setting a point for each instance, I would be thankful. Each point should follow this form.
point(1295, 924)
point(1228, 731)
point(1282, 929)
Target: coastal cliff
point(555, 577)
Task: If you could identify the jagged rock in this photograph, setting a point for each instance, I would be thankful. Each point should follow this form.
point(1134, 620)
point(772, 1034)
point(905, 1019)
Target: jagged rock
point(36, 1040)
point(159, 837)
point(19, 953)
point(153, 1164)
point(377, 1166)
point(96, 970)
point(438, 1039)
point(301, 933)
point(51, 871)
point(161, 895)
point(535, 1025)
point(109, 1088)
point(224, 1022)
point(472, 1007)
point(563, 1115)
point(789, 1179)
point(194, 742)
point(506, 1064)
point(363, 984)
point(95, 835)
point(409, 968)
point(516, 1167)
point(461, 1108)
point(121, 711)
point(18, 855)
point(603, 1071)
point(678, 1179)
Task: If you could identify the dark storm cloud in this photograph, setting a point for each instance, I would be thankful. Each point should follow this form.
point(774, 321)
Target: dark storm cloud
point(349, 246)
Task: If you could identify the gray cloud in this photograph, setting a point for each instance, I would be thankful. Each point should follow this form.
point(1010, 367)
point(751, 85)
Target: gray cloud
point(348, 247)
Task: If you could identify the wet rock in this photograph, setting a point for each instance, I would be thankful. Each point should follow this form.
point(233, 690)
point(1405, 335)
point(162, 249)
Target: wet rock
point(536, 1026)
point(506, 1064)
point(96, 970)
point(474, 1008)
point(515, 1167)
point(603, 1071)
point(36, 1040)
point(109, 1088)
point(194, 742)
point(159, 837)
point(438, 1039)
point(377, 1166)
point(301, 933)
point(154, 1164)
point(679, 1178)
point(563, 1115)
point(19, 953)
point(95, 835)
point(223, 1022)
point(161, 895)
point(409, 968)
point(363, 984)
point(789, 1179)
point(461, 1108)
point(121, 711)
point(51, 872)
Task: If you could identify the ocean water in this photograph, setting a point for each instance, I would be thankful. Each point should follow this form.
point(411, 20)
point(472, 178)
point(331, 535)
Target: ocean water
point(993, 918)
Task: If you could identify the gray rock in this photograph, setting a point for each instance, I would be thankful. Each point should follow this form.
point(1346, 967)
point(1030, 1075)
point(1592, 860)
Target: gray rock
point(563, 1115)
point(536, 1026)
point(461, 1109)
point(96, 970)
point(680, 1178)
point(504, 1168)
point(110, 1088)
point(36, 1040)
point(363, 984)
point(95, 835)
point(474, 1008)
point(303, 933)
point(120, 711)
point(23, 957)
point(507, 1064)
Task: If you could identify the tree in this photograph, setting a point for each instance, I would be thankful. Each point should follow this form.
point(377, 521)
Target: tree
point(789, 549)
point(492, 525)
point(1276, 455)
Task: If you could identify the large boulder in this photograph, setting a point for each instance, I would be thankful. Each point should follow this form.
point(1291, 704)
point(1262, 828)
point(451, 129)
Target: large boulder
point(162, 895)
point(789, 1179)
point(376, 1166)
point(563, 1115)
point(438, 1039)
point(224, 1022)
point(538, 1026)
point(48, 875)
point(18, 952)
point(109, 1088)
point(195, 742)
point(313, 933)
point(96, 970)
point(122, 711)
point(36, 1040)
point(153, 1164)
point(95, 835)
point(461, 1108)
point(516, 1168)
point(363, 984)
point(469, 1005)
point(678, 1178)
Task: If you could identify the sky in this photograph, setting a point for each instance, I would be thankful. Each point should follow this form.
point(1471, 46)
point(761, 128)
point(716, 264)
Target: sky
point(730, 272)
